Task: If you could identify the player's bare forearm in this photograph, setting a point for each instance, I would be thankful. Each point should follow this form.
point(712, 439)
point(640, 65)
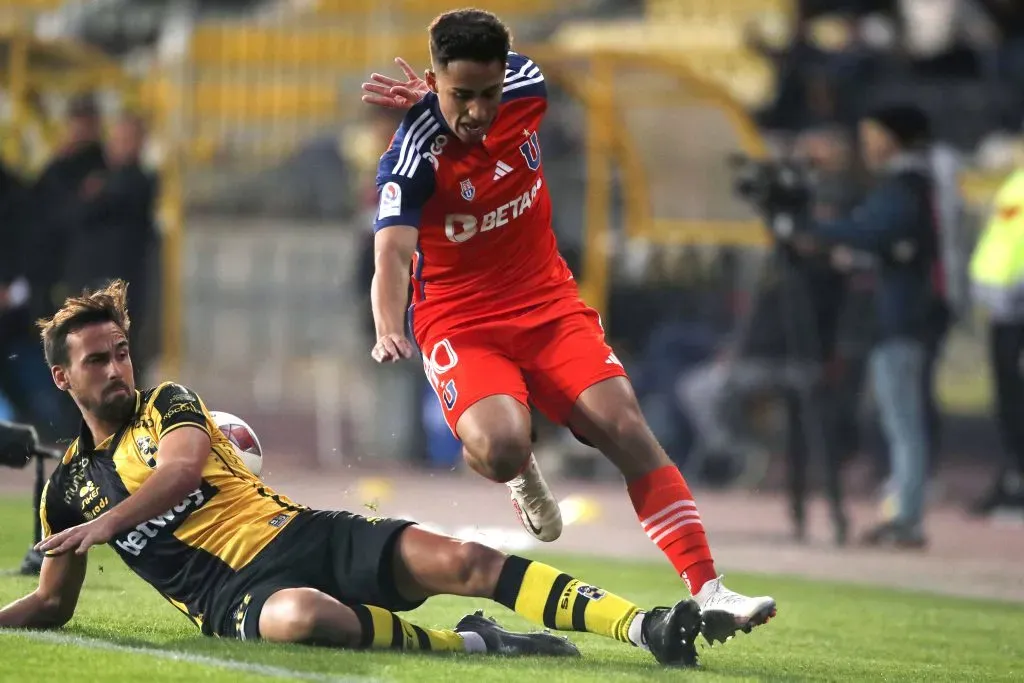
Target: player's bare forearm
point(53, 603)
point(167, 487)
point(31, 611)
point(179, 472)
point(388, 296)
point(393, 250)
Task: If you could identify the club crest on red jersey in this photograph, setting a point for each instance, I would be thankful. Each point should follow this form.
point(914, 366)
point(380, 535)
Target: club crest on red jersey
point(467, 189)
point(450, 394)
point(531, 150)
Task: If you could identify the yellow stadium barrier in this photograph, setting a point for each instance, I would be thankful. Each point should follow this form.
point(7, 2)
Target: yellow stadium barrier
point(331, 47)
point(33, 5)
point(662, 10)
point(28, 66)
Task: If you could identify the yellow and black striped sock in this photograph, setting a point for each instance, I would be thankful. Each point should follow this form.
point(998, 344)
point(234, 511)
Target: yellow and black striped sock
point(386, 630)
point(547, 596)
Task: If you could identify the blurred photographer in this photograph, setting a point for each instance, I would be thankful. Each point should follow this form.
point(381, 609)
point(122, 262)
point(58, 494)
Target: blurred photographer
point(894, 228)
point(785, 348)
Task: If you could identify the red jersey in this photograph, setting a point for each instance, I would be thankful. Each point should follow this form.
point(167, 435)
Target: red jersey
point(486, 246)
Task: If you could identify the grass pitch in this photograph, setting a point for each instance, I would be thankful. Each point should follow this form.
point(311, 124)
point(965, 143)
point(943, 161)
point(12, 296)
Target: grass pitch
point(124, 631)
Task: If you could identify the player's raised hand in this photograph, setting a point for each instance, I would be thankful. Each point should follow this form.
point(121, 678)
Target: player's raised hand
point(392, 93)
point(391, 348)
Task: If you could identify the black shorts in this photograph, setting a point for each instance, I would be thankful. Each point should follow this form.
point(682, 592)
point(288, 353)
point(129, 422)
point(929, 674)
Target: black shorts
point(346, 556)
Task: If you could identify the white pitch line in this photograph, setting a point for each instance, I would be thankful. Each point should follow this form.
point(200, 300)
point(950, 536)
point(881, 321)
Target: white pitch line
point(179, 656)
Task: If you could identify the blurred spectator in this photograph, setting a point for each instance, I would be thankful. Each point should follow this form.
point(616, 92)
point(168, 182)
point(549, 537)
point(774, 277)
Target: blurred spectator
point(25, 383)
point(949, 289)
point(820, 74)
point(997, 270)
point(896, 225)
point(856, 8)
point(55, 203)
point(1008, 56)
point(114, 229)
point(936, 37)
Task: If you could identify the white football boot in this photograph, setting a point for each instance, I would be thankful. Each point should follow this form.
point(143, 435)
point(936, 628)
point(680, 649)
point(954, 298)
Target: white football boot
point(535, 505)
point(724, 611)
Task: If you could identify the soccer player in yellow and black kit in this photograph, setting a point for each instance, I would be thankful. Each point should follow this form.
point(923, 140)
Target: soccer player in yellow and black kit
point(153, 477)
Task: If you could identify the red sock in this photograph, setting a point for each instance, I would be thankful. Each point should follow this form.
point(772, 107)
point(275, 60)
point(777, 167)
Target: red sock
point(666, 510)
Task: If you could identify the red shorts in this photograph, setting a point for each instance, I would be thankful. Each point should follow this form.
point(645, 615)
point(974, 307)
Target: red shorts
point(546, 357)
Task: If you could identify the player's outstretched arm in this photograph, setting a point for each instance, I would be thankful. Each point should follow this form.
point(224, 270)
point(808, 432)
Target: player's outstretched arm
point(391, 93)
point(52, 604)
point(179, 472)
point(393, 250)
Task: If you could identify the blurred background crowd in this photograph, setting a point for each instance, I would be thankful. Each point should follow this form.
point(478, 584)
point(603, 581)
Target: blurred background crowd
point(215, 154)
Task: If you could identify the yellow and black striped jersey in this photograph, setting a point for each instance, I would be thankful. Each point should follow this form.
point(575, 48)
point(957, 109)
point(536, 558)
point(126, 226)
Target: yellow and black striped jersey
point(193, 550)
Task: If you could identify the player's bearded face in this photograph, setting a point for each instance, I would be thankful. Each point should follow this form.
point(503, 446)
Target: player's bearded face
point(100, 375)
point(469, 94)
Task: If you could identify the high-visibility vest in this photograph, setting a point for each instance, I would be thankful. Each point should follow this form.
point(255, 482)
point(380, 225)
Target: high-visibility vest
point(997, 265)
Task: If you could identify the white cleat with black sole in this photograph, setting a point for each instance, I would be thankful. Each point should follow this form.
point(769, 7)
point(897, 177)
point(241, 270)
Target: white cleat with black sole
point(724, 612)
point(535, 505)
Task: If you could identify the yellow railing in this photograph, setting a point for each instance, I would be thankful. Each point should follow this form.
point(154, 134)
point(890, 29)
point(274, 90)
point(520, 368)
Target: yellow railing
point(740, 9)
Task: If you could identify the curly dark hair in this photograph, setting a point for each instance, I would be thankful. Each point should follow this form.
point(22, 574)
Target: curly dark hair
point(468, 34)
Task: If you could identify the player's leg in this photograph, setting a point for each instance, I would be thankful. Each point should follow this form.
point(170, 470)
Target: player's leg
point(497, 443)
point(577, 380)
point(309, 616)
point(426, 564)
point(484, 400)
point(329, 582)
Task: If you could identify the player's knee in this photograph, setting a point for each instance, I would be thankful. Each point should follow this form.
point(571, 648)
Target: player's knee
point(500, 456)
point(303, 615)
point(477, 568)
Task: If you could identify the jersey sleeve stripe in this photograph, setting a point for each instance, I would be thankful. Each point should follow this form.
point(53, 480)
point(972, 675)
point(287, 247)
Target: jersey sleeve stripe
point(43, 519)
point(194, 425)
point(414, 160)
point(524, 73)
point(407, 142)
point(527, 70)
point(522, 84)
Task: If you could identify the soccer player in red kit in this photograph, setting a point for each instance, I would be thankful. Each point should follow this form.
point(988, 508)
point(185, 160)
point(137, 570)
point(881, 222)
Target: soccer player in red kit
point(495, 311)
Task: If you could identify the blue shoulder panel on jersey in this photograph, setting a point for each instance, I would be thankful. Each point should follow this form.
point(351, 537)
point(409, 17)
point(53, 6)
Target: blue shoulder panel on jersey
point(523, 78)
point(405, 173)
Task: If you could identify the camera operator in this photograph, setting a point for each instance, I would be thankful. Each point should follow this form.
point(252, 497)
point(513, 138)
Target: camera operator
point(895, 225)
point(785, 347)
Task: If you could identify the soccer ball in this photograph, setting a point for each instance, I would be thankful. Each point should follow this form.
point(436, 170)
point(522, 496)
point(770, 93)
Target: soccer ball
point(243, 438)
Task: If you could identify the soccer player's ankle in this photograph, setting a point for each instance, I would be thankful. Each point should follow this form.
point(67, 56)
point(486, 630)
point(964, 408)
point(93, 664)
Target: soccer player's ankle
point(698, 574)
point(520, 477)
point(473, 642)
point(635, 633)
